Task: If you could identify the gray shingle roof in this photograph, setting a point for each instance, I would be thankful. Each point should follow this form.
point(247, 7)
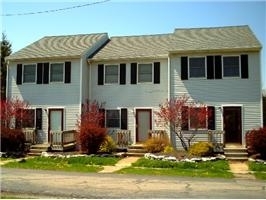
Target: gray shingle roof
point(181, 41)
point(126, 47)
point(59, 46)
point(217, 38)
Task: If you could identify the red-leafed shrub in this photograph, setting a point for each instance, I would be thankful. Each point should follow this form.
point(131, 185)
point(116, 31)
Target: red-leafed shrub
point(12, 140)
point(91, 133)
point(256, 141)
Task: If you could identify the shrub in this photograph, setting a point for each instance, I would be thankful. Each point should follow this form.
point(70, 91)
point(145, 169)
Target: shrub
point(91, 138)
point(256, 141)
point(201, 149)
point(108, 145)
point(168, 149)
point(12, 140)
point(155, 145)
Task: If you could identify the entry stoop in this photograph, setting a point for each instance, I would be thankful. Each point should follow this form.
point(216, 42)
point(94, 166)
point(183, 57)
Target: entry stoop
point(137, 150)
point(236, 153)
point(37, 149)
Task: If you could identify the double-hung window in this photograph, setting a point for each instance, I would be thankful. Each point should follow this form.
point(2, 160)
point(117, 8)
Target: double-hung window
point(197, 67)
point(145, 73)
point(112, 119)
point(111, 74)
point(198, 118)
point(57, 72)
point(29, 73)
point(231, 66)
point(29, 119)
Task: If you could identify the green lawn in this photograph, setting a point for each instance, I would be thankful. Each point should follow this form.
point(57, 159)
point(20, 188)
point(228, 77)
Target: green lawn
point(77, 164)
point(259, 170)
point(217, 169)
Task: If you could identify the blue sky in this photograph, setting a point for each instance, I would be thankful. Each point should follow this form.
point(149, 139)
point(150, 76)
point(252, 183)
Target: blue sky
point(128, 18)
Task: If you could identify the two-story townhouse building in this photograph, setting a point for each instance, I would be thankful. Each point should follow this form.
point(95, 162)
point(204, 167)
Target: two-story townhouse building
point(52, 75)
point(132, 75)
point(220, 67)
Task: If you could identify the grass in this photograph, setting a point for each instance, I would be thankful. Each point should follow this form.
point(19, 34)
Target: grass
point(74, 164)
point(215, 169)
point(259, 170)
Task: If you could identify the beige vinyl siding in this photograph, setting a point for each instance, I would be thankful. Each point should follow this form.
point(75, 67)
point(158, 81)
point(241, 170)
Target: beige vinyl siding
point(224, 92)
point(131, 96)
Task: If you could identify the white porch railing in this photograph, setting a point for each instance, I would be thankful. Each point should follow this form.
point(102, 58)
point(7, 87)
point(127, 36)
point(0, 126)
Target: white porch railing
point(30, 135)
point(63, 140)
point(157, 134)
point(122, 138)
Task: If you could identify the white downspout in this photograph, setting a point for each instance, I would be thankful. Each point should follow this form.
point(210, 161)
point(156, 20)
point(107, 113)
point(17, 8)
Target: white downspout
point(81, 87)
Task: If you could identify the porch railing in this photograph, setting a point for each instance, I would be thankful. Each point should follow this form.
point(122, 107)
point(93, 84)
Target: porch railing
point(216, 137)
point(30, 135)
point(157, 134)
point(122, 138)
point(63, 140)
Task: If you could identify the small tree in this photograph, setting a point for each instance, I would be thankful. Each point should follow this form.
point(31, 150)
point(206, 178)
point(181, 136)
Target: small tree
point(175, 113)
point(91, 133)
point(13, 112)
point(5, 51)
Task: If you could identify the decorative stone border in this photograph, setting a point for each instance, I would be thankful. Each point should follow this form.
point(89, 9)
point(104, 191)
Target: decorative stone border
point(192, 160)
point(257, 160)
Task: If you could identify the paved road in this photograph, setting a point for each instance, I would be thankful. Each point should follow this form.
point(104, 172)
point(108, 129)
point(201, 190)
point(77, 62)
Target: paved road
point(92, 185)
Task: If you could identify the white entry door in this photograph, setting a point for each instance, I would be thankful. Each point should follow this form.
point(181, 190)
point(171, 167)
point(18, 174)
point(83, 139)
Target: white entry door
point(55, 120)
point(143, 125)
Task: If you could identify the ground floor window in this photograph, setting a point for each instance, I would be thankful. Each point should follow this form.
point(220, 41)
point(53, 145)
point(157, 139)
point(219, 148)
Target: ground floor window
point(112, 119)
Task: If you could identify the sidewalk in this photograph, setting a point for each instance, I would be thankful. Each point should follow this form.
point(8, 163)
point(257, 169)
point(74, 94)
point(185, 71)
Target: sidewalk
point(240, 170)
point(125, 162)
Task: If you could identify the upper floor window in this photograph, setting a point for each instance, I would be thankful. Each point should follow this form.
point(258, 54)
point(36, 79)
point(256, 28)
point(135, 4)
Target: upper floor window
point(145, 73)
point(197, 67)
point(57, 72)
point(29, 73)
point(111, 74)
point(112, 119)
point(231, 67)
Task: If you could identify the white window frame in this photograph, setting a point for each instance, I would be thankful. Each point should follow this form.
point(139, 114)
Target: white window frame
point(205, 67)
point(118, 74)
point(35, 73)
point(152, 72)
point(50, 72)
point(239, 66)
point(119, 114)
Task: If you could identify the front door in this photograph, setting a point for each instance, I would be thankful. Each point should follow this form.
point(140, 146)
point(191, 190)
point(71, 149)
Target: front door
point(55, 121)
point(143, 124)
point(232, 124)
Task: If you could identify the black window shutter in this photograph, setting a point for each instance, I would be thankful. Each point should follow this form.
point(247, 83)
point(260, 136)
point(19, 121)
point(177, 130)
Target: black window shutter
point(244, 66)
point(46, 73)
point(218, 67)
point(68, 72)
point(156, 78)
point(133, 73)
point(211, 117)
point(124, 119)
point(184, 68)
point(122, 74)
point(184, 118)
point(210, 67)
point(102, 121)
point(38, 118)
point(100, 74)
point(19, 74)
point(39, 73)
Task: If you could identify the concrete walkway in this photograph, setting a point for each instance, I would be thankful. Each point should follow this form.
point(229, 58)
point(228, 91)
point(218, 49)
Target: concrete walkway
point(125, 162)
point(240, 170)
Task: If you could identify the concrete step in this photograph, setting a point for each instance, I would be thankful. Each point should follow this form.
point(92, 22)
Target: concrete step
point(137, 150)
point(135, 154)
point(236, 153)
point(36, 150)
point(235, 158)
